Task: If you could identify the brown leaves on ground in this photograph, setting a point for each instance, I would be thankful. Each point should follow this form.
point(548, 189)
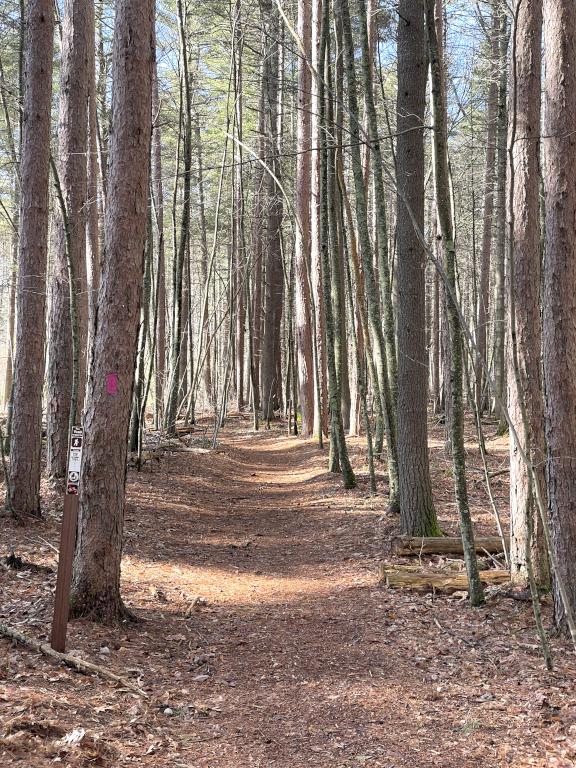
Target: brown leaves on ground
point(265, 639)
point(48, 741)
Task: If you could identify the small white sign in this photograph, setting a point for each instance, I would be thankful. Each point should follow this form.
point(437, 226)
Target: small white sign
point(75, 460)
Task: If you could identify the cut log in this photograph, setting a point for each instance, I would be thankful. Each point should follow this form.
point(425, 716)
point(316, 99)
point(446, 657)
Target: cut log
point(87, 667)
point(453, 566)
point(436, 581)
point(442, 545)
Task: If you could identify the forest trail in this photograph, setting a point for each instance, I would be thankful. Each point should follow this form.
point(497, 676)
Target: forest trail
point(266, 639)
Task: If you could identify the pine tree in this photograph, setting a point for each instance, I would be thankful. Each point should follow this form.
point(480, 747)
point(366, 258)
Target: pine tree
point(417, 513)
point(559, 297)
point(23, 492)
point(96, 579)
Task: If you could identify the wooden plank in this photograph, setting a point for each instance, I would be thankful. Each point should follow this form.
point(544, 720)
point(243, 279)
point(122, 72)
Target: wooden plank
point(442, 545)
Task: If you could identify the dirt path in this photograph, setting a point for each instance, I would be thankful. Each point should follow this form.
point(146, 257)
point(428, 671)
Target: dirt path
point(266, 640)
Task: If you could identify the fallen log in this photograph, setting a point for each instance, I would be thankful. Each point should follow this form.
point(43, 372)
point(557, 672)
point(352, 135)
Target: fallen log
point(442, 545)
point(435, 581)
point(87, 667)
point(451, 566)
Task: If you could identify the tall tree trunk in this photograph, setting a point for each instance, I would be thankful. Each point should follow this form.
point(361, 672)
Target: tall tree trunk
point(443, 204)
point(103, 111)
point(273, 244)
point(8, 385)
point(363, 340)
point(559, 332)
point(257, 250)
point(178, 347)
point(8, 379)
point(358, 373)
point(138, 415)
point(489, 182)
point(381, 227)
point(303, 312)
point(527, 273)
point(11, 141)
point(319, 343)
point(158, 200)
point(207, 370)
point(185, 325)
point(361, 383)
point(436, 344)
point(23, 496)
point(339, 460)
point(417, 513)
point(499, 364)
point(68, 327)
point(381, 383)
point(96, 579)
point(238, 212)
point(342, 357)
point(92, 212)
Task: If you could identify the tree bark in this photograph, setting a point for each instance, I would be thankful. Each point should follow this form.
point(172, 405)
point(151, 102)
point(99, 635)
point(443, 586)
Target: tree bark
point(559, 305)
point(436, 581)
point(274, 283)
point(238, 236)
point(103, 111)
point(93, 220)
point(489, 182)
point(23, 496)
point(444, 208)
point(499, 364)
point(257, 250)
point(436, 345)
point(138, 415)
point(339, 460)
point(178, 347)
point(381, 383)
point(8, 379)
point(417, 513)
point(303, 312)
point(8, 390)
point(96, 579)
point(367, 42)
point(343, 357)
point(14, 157)
point(527, 274)
point(320, 372)
point(403, 546)
point(207, 370)
point(158, 200)
point(68, 328)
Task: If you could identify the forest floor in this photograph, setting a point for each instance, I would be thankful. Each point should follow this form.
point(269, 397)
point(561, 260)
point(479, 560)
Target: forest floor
point(265, 638)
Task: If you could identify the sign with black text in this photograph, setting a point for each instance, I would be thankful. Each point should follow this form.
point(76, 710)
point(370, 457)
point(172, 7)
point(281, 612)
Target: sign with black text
point(67, 541)
point(74, 461)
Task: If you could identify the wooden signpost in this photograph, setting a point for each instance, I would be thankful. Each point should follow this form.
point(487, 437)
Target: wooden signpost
point(67, 541)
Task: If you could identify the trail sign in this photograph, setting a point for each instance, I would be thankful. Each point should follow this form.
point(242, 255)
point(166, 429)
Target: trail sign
point(67, 541)
point(74, 461)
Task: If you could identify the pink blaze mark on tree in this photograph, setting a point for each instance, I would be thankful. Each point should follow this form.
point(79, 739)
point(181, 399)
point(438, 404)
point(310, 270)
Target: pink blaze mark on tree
point(112, 384)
